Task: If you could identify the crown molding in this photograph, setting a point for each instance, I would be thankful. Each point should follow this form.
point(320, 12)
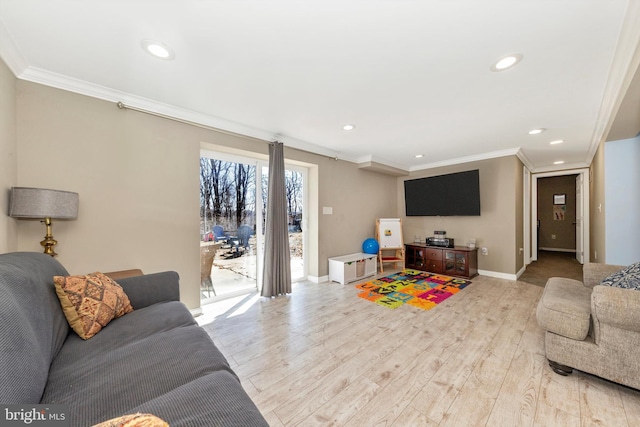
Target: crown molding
point(47, 78)
point(10, 53)
point(568, 168)
point(467, 159)
point(524, 159)
point(623, 68)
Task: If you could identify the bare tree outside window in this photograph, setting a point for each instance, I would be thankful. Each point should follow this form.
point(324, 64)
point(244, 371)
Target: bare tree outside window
point(227, 195)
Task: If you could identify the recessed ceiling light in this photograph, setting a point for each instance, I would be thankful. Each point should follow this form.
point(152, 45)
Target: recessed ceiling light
point(157, 49)
point(419, 156)
point(507, 62)
point(559, 162)
point(557, 141)
point(348, 127)
point(536, 131)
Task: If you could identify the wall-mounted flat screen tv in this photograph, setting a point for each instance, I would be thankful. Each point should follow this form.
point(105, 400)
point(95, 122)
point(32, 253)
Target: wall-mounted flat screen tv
point(456, 194)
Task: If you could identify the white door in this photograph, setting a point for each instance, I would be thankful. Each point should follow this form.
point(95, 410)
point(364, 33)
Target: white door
point(579, 220)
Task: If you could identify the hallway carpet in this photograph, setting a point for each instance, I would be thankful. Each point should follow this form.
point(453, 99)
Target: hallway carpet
point(552, 264)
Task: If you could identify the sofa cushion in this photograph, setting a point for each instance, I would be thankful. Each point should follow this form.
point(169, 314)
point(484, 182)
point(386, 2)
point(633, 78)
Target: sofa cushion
point(123, 377)
point(33, 325)
point(91, 301)
point(220, 392)
point(126, 330)
point(627, 278)
point(565, 308)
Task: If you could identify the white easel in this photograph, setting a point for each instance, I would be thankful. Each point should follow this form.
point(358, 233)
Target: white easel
point(389, 236)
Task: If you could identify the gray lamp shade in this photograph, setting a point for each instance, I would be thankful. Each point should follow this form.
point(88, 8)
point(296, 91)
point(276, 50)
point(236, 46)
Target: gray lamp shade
point(28, 202)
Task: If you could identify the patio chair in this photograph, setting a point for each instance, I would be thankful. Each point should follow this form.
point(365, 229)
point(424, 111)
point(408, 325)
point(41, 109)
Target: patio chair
point(244, 232)
point(207, 254)
point(218, 233)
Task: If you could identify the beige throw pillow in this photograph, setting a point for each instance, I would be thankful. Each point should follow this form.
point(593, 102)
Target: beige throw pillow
point(134, 420)
point(91, 301)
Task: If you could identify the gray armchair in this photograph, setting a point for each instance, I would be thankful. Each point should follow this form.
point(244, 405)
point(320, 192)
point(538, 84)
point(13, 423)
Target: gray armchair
point(591, 327)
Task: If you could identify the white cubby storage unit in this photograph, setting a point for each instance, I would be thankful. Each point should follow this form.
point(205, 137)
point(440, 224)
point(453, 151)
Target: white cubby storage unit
point(349, 268)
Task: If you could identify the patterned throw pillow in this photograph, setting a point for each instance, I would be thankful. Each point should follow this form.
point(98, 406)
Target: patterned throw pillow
point(627, 278)
point(134, 420)
point(90, 302)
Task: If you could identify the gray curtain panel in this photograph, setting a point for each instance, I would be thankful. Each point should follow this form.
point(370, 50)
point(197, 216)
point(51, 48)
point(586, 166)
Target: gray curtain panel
point(277, 266)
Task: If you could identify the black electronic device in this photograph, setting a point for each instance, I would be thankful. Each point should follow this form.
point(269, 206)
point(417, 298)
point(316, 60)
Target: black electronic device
point(442, 243)
point(444, 195)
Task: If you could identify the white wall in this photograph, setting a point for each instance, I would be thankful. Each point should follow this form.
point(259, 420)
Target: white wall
point(622, 195)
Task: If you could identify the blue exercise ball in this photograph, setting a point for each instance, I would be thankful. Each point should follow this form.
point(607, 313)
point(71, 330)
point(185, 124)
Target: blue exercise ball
point(370, 246)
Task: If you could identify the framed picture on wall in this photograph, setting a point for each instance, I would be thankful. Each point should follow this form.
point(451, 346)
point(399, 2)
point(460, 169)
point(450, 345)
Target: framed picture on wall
point(559, 199)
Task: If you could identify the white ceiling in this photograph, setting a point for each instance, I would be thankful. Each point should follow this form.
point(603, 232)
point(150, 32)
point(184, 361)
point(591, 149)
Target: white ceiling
point(413, 76)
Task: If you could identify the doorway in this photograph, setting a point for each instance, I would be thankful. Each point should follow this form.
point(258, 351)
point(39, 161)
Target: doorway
point(557, 214)
point(233, 200)
point(228, 216)
point(579, 192)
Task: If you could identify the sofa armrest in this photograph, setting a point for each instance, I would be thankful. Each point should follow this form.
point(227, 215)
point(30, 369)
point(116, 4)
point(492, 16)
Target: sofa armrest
point(593, 273)
point(616, 307)
point(150, 289)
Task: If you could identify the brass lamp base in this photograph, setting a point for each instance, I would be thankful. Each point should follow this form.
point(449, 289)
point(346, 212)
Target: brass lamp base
point(49, 242)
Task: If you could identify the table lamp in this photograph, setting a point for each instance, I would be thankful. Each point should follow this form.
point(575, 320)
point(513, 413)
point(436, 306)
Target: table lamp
point(43, 204)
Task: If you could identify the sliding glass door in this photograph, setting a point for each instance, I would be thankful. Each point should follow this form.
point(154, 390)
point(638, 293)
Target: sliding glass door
point(233, 198)
point(228, 219)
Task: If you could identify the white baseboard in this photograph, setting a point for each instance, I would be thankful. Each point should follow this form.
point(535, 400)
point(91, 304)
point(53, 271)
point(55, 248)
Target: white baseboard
point(557, 250)
point(522, 270)
point(195, 312)
point(316, 279)
point(498, 275)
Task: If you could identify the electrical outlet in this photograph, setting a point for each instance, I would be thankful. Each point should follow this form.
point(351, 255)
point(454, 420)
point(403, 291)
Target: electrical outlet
point(595, 255)
point(484, 251)
point(553, 237)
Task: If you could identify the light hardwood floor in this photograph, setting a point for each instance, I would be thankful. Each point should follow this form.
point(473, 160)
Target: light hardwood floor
point(324, 357)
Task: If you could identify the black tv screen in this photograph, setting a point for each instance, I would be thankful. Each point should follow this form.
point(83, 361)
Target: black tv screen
point(456, 194)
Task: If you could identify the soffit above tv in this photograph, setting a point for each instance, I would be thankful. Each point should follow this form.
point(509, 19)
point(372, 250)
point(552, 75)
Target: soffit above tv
point(382, 168)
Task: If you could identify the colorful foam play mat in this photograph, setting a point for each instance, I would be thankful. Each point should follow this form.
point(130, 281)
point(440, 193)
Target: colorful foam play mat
point(417, 288)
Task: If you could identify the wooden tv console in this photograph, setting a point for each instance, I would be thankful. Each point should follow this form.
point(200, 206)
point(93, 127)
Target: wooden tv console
point(459, 261)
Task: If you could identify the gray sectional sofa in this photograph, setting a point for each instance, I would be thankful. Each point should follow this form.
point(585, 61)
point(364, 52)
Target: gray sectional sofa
point(154, 360)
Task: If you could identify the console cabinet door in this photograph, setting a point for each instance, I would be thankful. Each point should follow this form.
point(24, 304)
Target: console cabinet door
point(455, 263)
point(415, 257)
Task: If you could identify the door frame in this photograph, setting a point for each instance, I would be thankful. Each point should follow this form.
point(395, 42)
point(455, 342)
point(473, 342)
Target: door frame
point(585, 209)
